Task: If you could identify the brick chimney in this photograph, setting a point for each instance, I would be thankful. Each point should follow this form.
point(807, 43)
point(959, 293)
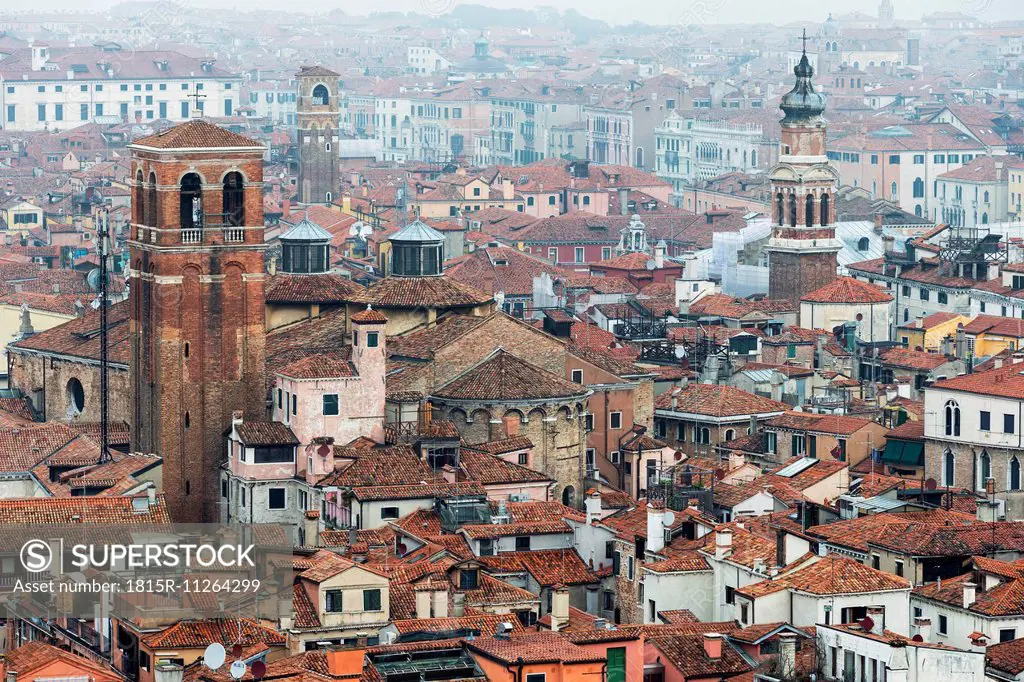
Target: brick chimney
point(713, 645)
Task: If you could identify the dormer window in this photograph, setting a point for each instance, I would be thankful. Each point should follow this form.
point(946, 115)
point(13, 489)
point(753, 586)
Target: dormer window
point(469, 579)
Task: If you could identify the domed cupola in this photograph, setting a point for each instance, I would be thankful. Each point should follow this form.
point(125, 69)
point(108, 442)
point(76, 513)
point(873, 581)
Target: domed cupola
point(802, 105)
point(305, 249)
point(417, 250)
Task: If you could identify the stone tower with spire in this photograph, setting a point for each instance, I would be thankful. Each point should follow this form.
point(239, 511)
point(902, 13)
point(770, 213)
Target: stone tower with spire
point(803, 246)
point(886, 14)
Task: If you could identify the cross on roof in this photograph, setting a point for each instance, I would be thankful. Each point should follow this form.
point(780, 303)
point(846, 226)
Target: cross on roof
point(805, 40)
point(196, 96)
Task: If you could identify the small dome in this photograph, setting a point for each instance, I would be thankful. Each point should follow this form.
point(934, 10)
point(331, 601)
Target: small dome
point(306, 231)
point(830, 28)
point(417, 231)
point(802, 104)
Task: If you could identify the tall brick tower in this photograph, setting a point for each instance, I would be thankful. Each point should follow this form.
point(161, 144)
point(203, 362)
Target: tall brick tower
point(197, 320)
point(803, 246)
point(318, 116)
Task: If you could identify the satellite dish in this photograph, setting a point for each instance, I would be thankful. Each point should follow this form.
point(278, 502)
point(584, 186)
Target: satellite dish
point(214, 656)
point(930, 484)
point(323, 450)
point(360, 230)
point(95, 305)
point(669, 518)
point(719, 474)
point(259, 669)
point(867, 624)
point(237, 670)
point(652, 264)
point(236, 651)
point(680, 352)
point(917, 638)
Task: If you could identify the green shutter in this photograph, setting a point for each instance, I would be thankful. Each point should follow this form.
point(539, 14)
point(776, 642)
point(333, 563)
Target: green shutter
point(617, 664)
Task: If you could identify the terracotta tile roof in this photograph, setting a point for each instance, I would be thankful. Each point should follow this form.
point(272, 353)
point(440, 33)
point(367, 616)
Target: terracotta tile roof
point(193, 634)
point(79, 338)
point(417, 491)
point(22, 447)
point(254, 433)
point(316, 71)
point(549, 510)
point(687, 655)
point(678, 616)
point(503, 268)
point(416, 292)
point(905, 358)
point(369, 316)
point(304, 613)
point(533, 648)
point(515, 528)
point(729, 495)
point(196, 134)
point(689, 562)
point(966, 540)
point(911, 430)
point(818, 423)
point(723, 305)
point(931, 321)
point(391, 465)
point(994, 324)
point(631, 524)
point(71, 510)
point(875, 484)
point(1006, 381)
point(547, 566)
point(482, 623)
point(856, 533)
point(316, 288)
point(31, 656)
point(321, 366)
point(830, 575)
point(847, 290)
point(815, 473)
point(504, 377)
point(1006, 656)
point(1005, 599)
point(505, 445)
point(490, 470)
point(716, 401)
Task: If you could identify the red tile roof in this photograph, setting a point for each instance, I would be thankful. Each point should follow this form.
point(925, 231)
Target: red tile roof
point(198, 634)
point(533, 648)
point(547, 566)
point(904, 358)
point(489, 469)
point(830, 575)
point(196, 134)
point(504, 377)
point(687, 655)
point(369, 316)
point(72, 510)
point(819, 423)
point(254, 433)
point(417, 292)
point(716, 401)
point(315, 288)
point(847, 290)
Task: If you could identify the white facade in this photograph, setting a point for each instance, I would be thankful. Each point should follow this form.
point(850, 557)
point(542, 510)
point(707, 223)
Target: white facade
point(857, 654)
point(970, 203)
point(426, 60)
point(274, 100)
point(953, 625)
point(873, 320)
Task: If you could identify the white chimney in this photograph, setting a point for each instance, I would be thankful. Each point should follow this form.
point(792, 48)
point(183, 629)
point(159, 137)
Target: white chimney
point(655, 528)
point(723, 543)
point(593, 506)
point(423, 598)
point(559, 607)
point(970, 594)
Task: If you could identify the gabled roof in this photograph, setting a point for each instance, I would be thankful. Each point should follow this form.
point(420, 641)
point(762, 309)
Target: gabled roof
point(256, 433)
point(847, 290)
point(716, 401)
point(830, 575)
point(502, 376)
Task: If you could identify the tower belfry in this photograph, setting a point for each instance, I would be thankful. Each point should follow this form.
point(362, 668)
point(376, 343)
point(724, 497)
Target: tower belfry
point(318, 116)
point(803, 246)
point(196, 304)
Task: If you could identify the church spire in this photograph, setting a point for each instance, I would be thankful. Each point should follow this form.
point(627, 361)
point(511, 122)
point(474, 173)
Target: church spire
point(803, 104)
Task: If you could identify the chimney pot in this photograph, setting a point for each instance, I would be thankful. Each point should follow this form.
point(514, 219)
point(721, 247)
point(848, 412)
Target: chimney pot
point(713, 645)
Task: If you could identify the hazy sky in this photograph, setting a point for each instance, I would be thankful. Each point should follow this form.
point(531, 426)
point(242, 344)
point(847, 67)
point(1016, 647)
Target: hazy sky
point(616, 11)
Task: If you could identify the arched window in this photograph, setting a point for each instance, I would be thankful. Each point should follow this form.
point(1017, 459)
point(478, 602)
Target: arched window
point(984, 218)
point(906, 314)
point(809, 210)
point(729, 435)
point(639, 157)
point(152, 214)
point(137, 197)
point(780, 206)
point(320, 95)
point(191, 198)
point(792, 210)
point(863, 244)
point(825, 216)
point(918, 188)
point(569, 496)
point(986, 196)
point(1014, 474)
point(893, 192)
point(529, 201)
point(753, 158)
point(917, 210)
point(234, 199)
point(705, 435)
point(952, 418)
point(948, 468)
point(984, 469)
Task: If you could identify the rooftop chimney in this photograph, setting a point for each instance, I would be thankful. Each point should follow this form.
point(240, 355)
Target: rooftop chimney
point(723, 543)
point(559, 607)
point(970, 594)
point(923, 627)
point(165, 672)
point(623, 201)
point(787, 654)
point(877, 616)
point(342, 662)
point(655, 528)
point(593, 506)
point(713, 645)
point(879, 222)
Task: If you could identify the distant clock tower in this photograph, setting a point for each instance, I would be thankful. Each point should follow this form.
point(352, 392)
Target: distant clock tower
point(803, 246)
point(197, 306)
point(318, 115)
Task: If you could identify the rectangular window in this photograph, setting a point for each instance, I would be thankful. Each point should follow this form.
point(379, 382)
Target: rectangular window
point(899, 568)
point(273, 454)
point(58, 112)
point(334, 601)
point(280, 398)
point(730, 595)
point(536, 677)
point(875, 561)
point(295, 404)
point(184, 109)
point(83, 112)
point(629, 568)
point(523, 543)
point(388, 513)
point(579, 254)
point(10, 113)
point(1008, 423)
point(615, 420)
point(918, 159)
point(799, 445)
point(924, 294)
point(487, 547)
point(41, 112)
point(331, 404)
point(617, 563)
point(985, 421)
point(372, 339)
point(770, 442)
point(1007, 634)
point(943, 625)
point(791, 350)
point(894, 159)
point(99, 108)
point(371, 600)
point(577, 375)
point(276, 498)
point(943, 297)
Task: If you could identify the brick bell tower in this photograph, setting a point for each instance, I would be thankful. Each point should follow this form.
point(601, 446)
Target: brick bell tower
point(197, 319)
point(803, 246)
point(318, 113)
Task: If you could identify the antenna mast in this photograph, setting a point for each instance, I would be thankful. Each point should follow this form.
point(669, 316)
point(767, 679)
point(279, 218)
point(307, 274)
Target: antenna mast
point(104, 235)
